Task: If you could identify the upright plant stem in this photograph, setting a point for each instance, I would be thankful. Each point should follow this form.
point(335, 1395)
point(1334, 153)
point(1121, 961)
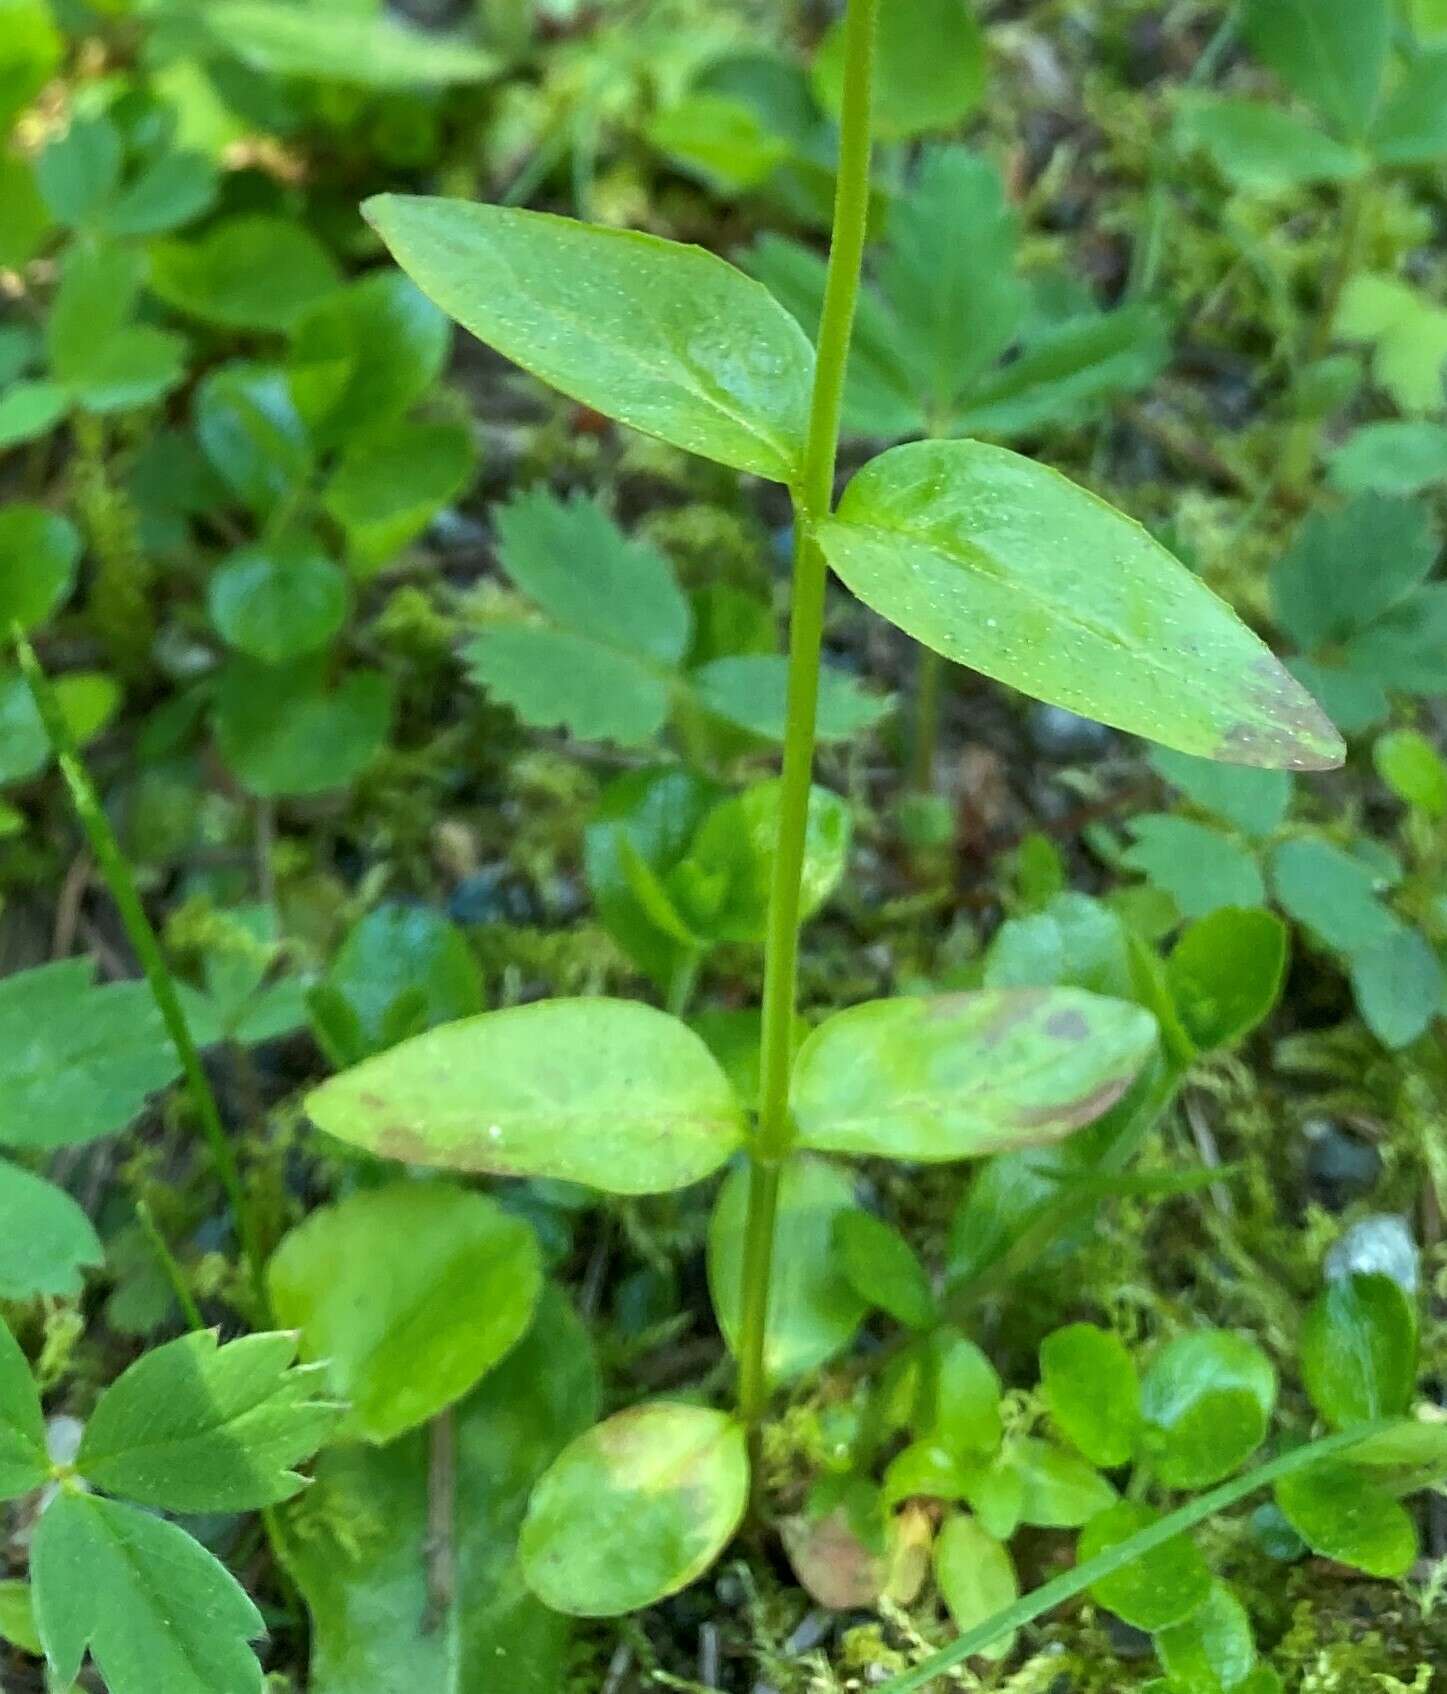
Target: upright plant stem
point(813, 496)
point(117, 873)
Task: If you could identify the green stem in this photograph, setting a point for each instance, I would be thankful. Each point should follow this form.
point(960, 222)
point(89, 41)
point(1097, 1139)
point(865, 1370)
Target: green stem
point(928, 689)
point(813, 497)
point(167, 1261)
point(117, 873)
point(1073, 1582)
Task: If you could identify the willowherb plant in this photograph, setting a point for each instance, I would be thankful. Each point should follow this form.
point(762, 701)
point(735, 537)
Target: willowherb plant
point(986, 557)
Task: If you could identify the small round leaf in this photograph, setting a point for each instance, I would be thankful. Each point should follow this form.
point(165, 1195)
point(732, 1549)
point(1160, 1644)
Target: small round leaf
point(976, 1577)
point(1213, 1648)
point(1341, 1514)
point(1359, 1350)
point(883, 1268)
point(1091, 1387)
point(279, 601)
point(1159, 1589)
point(635, 1509)
point(1207, 1399)
point(38, 555)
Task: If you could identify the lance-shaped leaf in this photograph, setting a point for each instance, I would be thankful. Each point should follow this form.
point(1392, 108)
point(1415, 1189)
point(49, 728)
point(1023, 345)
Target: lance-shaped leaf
point(159, 1614)
point(340, 44)
point(24, 1463)
point(1010, 568)
point(965, 1074)
point(635, 1509)
point(605, 1092)
point(195, 1427)
point(405, 1334)
point(668, 339)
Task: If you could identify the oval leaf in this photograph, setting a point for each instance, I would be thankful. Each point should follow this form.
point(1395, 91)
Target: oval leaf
point(635, 1509)
point(1359, 1350)
point(1008, 567)
point(666, 338)
point(975, 1576)
point(605, 1092)
point(405, 1334)
point(1090, 1385)
point(1159, 1589)
point(966, 1074)
point(1207, 1399)
point(1341, 1514)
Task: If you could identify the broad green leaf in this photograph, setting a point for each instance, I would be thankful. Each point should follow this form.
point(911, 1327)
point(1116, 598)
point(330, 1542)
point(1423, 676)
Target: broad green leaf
point(1255, 801)
point(399, 951)
point(1408, 1455)
point(335, 45)
point(359, 1543)
point(159, 1613)
point(590, 578)
point(278, 600)
point(237, 1001)
point(1201, 868)
point(929, 69)
point(635, 1509)
point(254, 272)
point(1348, 567)
point(965, 1074)
point(1411, 128)
point(814, 1309)
point(1359, 1350)
point(668, 339)
point(883, 1268)
point(46, 1240)
point(1004, 565)
point(86, 701)
point(104, 360)
point(283, 731)
point(1225, 974)
point(390, 482)
point(1342, 1515)
point(172, 190)
point(195, 1427)
point(1333, 53)
point(406, 1333)
point(24, 1462)
point(723, 141)
point(76, 1061)
point(1398, 985)
point(1089, 1382)
point(1261, 148)
point(1156, 1591)
point(1398, 457)
point(960, 1407)
point(1414, 770)
point(39, 552)
point(554, 679)
point(1058, 1490)
point(1213, 1649)
point(1206, 1398)
point(1073, 942)
point(750, 691)
point(360, 357)
point(29, 409)
point(606, 1092)
point(976, 1576)
point(252, 435)
point(1331, 892)
point(24, 217)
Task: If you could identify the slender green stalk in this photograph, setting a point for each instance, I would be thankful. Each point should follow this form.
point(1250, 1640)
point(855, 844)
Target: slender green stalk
point(1073, 1582)
point(167, 1261)
point(928, 691)
point(813, 498)
point(117, 873)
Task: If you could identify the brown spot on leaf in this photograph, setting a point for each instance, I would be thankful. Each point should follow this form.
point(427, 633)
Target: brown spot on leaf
point(1075, 1114)
point(1067, 1026)
point(398, 1142)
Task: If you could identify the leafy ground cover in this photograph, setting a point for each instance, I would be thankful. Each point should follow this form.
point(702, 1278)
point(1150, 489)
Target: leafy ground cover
point(446, 1246)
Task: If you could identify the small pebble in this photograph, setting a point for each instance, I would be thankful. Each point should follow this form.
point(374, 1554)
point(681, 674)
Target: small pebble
point(1128, 1641)
point(1058, 734)
point(812, 1629)
point(455, 532)
point(1381, 1245)
point(493, 895)
point(1340, 1167)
